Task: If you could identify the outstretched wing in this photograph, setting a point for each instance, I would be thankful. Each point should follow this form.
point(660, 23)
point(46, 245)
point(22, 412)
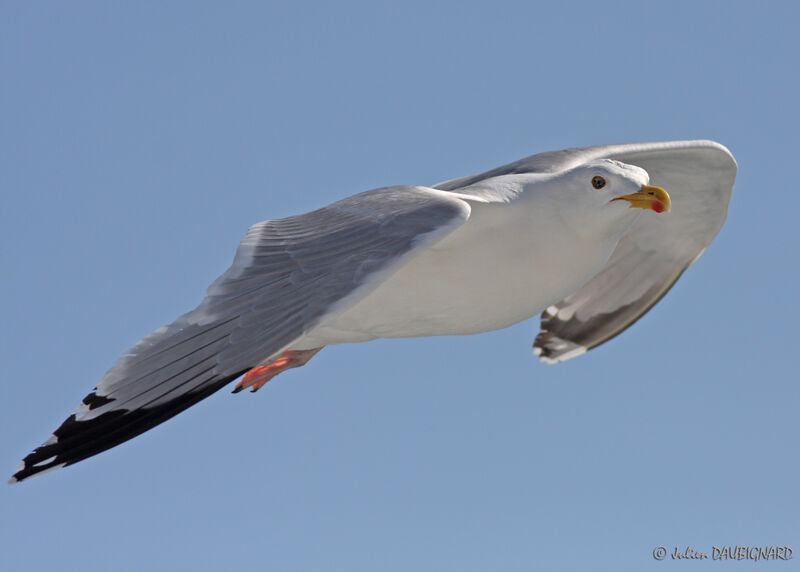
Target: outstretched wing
point(649, 259)
point(287, 274)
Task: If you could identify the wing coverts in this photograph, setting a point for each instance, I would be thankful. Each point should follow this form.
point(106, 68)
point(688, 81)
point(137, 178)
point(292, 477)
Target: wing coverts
point(286, 275)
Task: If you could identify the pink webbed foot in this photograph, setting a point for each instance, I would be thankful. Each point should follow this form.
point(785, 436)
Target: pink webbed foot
point(260, 375)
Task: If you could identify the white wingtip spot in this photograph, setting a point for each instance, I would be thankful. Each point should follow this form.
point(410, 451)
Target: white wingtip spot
point(22, 466)
point(50, 470)
point(551, 311)
point(562, 349)
point(578, 350)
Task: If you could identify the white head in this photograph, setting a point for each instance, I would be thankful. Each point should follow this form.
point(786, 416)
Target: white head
point(602, 197)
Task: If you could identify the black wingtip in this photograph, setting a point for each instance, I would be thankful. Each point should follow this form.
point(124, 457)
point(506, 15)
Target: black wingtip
point(30, 468)
point(76, 440)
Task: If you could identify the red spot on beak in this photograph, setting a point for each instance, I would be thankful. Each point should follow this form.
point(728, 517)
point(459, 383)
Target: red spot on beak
point(658, 206)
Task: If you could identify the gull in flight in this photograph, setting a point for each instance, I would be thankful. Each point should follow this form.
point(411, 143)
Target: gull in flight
point(591, 238)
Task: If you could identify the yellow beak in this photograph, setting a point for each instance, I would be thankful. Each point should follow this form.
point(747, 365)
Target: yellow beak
point(653, 198)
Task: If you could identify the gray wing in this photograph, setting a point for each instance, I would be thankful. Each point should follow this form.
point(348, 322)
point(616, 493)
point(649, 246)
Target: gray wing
point(287, 274)
point(649, 259)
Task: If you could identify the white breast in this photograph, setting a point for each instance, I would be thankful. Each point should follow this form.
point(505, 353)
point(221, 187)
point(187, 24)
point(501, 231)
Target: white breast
point(498, 269)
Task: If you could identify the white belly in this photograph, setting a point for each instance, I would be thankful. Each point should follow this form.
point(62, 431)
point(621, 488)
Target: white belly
point(494, 271)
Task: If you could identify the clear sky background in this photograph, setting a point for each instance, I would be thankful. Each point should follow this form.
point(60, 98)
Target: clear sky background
point(139, 142)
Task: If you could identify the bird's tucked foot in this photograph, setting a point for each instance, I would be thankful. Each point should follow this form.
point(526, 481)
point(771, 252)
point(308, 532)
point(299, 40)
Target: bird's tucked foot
point(259, 375)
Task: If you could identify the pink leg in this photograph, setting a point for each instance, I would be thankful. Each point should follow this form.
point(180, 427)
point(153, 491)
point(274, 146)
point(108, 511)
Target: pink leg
point(259, 375)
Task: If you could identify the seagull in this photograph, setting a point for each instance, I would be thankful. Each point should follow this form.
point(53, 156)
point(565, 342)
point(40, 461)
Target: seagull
point(589, 237)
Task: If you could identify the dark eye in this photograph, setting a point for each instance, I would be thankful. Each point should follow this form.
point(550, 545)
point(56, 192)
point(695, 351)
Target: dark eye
point(598, 182)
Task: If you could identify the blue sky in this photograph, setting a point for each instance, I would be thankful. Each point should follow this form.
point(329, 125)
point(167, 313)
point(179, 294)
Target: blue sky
point(139, 142)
